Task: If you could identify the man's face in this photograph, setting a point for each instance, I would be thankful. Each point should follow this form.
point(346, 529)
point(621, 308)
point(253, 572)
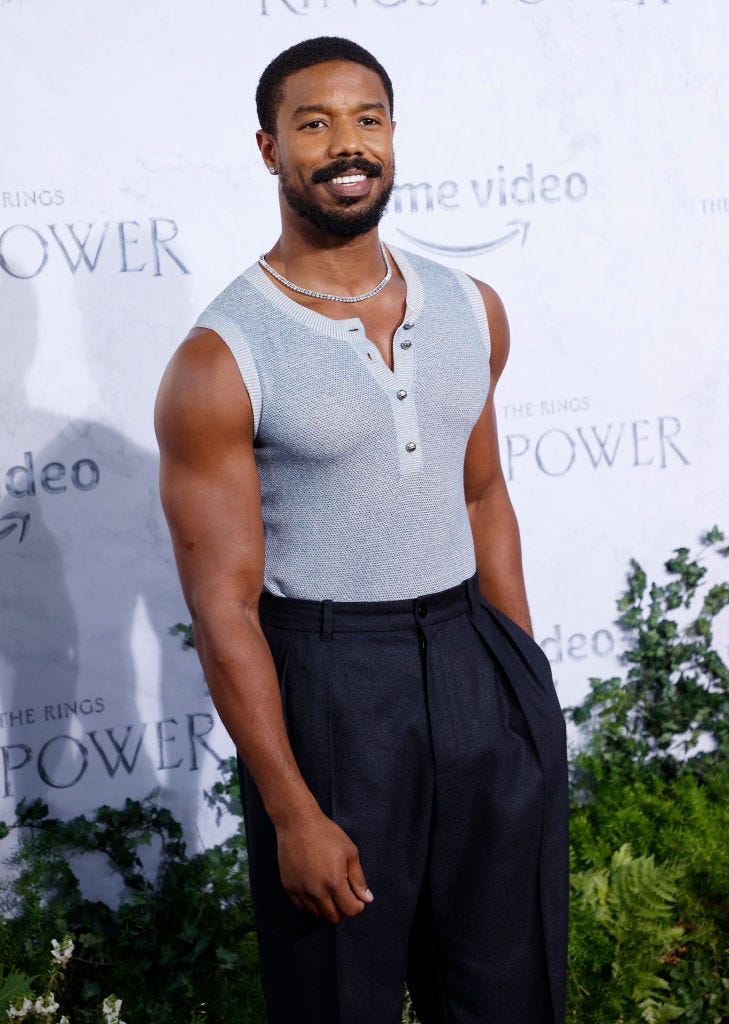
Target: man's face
point(333, 147)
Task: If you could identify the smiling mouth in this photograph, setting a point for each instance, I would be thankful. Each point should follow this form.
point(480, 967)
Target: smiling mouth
point(347, 172)
point(348, 179)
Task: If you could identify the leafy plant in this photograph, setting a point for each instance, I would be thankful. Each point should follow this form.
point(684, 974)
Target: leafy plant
point(20, 1003)
point(674, 700)
point(627, 908)
point(652, 772)
point(184, 630)
point(12, 985)
point(187, 930)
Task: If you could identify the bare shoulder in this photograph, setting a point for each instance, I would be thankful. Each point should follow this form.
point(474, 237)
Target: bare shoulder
point(498, 326)
point(202, 400)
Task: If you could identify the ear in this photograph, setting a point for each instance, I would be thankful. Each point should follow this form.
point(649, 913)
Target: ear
point(267, 147)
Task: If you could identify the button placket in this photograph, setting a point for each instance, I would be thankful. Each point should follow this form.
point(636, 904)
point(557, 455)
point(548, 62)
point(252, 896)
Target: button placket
point(397, 385)
point(404, 408)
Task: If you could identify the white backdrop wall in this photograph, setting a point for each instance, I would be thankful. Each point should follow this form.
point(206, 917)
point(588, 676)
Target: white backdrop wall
point(573, 153)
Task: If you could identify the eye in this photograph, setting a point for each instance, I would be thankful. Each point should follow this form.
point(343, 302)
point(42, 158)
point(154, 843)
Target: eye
point(369, 121)
point(316, 123)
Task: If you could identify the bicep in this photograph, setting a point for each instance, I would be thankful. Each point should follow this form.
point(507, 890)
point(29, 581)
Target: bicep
point(214, 516)
point(482, 464)
point(208, 478)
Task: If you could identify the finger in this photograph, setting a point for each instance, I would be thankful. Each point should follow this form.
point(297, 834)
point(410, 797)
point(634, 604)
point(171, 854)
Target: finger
point(346, 902)
point(296, 901)
point(357, 881)
point(329, 910)
point(311, 906)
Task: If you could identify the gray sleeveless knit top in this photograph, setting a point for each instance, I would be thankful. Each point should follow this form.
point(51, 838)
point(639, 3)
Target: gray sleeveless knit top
point(361, 467)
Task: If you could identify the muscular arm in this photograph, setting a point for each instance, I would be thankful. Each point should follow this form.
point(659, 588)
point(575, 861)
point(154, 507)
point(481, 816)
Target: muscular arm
point(211, 498)
point(493, 523)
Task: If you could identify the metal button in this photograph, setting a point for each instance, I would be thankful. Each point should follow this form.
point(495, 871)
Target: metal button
point(402, 393)
point(410, 446)
point(406, 344)
point(422, 610)
point(407, 326)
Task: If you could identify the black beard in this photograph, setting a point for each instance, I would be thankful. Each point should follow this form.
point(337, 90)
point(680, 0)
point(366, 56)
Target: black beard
point(339, 222)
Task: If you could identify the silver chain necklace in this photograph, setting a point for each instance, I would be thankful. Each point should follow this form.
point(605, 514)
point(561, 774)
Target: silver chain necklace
point(323, 295)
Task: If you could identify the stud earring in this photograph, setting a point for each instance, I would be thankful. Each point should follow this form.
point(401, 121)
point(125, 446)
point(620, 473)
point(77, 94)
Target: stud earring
point(272, 170)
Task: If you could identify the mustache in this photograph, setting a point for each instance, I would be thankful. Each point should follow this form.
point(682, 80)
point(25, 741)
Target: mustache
point(340, 167)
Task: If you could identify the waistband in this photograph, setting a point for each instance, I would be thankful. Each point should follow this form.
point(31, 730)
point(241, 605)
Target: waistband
point(331, 617)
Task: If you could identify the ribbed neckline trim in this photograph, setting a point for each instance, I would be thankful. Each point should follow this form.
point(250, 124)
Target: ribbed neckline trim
point(330, 326)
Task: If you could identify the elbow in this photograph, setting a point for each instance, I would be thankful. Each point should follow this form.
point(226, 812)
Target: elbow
point(218, 613)
point(486, 492)
point(490, 504)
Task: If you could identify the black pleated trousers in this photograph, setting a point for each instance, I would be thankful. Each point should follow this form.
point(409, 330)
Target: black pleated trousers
point(429, 730)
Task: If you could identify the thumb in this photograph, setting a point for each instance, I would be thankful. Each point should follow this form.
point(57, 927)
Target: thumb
point(357, 881)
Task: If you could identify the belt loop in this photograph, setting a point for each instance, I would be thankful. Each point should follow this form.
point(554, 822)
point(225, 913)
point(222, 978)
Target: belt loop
point(327, 621)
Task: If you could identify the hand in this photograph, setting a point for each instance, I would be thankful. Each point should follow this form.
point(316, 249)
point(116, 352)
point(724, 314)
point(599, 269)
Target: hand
point(320, 868)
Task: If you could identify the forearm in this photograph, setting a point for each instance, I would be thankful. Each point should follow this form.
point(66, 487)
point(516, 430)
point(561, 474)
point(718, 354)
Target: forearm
point(318, 862)
point(498, 553)
point(242, 680)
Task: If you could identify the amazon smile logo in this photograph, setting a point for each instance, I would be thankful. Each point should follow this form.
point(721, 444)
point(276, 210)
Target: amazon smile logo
point(510, 196)
point(520, 230)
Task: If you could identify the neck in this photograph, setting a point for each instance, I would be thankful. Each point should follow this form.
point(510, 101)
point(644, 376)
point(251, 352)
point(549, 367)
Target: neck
point(328, 263)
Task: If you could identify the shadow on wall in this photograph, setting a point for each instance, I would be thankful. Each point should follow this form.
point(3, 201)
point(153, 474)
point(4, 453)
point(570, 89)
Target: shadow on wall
point(98, 701)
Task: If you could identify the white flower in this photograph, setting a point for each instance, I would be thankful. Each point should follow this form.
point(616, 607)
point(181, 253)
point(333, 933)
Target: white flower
point(45, 1005)
point(21, 1012)
point(61, 951)
point(111, 1008)
point(64, 1020)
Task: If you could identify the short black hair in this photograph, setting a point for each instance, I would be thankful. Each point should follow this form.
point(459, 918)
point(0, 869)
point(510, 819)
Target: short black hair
point(307, 54)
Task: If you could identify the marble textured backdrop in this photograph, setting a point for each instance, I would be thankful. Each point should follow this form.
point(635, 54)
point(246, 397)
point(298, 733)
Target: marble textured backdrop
point(573, 154)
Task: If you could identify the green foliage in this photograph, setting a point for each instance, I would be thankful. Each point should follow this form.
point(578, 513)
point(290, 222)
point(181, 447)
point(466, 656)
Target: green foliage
point(651, 781)
point(674, 700)
point(627, 910)
point(225, 794)
point(24, 1004)
point(681, 825)
point(185, 631)
point(187, 932)
point(12, 985)
point(408, 1013)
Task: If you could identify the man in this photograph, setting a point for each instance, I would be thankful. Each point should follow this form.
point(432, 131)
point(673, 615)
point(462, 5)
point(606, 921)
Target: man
point(401, 746)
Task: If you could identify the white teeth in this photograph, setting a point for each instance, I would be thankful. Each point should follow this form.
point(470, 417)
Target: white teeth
point(349, 179)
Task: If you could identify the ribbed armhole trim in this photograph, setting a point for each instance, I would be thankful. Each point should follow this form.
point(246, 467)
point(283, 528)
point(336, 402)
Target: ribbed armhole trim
point(477, 305)
point(234, 338)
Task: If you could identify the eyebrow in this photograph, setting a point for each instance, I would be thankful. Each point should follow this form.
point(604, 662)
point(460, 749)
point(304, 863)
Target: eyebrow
point(321, 108)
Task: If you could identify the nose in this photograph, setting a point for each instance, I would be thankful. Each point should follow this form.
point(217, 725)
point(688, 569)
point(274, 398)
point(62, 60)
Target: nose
point(344, 139)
